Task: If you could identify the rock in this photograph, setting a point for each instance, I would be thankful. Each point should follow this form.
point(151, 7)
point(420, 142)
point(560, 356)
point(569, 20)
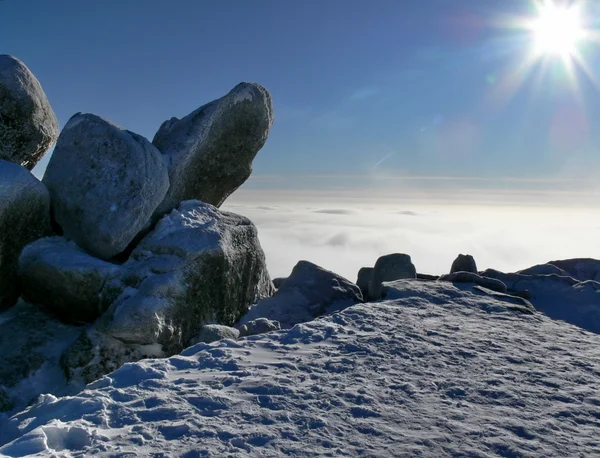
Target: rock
point(213, 332)
point(198, 266)
point(389, 268)
point(210, 151)
point(464, 263)
point(310, 291)
point(365, 274)
point(427, 277)
point(104, 183)
point(24, 217)
point(31, 343)
point(59, 275)
point(277, 282)
point(581, 269)
point(470, 277)
point(28, 126)
point(258, 326)
point(543, 269)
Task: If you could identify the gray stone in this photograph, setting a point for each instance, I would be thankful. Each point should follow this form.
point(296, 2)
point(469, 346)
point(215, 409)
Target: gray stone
point(464, 263)
point(469, 277)
point(258, 326)
point(24, 217)
point(213, 332)
point(390, 267)
point(212, 269)
point(365, 274)
point(28, 126)
point(310, 291)
point(104, 183)
point(210, 151)
point(59, 275)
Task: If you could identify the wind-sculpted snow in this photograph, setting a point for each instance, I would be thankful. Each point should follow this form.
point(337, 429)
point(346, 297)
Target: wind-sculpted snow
point(437, 371)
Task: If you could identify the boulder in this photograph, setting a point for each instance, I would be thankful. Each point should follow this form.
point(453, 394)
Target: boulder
point(580, 268)
point(31, 343)
point(390, 267)
point(469, 277)
point(210, 151)
point(310, 291)
point(198, 266)
point(213, 332)
point(104, 183)
point(277, 282)
point(258, 326)
point(543, 269)
point(67, 281)
point(24, 217)
point(464, 263)
point(365, 274)
point(28, 126)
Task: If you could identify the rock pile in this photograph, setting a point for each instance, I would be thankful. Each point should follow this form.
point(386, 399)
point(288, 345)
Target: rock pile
point(122, 242)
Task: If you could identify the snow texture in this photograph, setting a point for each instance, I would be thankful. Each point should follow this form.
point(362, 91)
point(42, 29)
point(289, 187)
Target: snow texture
point(436, 370)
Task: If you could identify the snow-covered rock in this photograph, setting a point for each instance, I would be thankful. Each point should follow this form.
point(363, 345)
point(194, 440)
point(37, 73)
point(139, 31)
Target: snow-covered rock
point(59, 275)
point(310, 291)
point(581, 269)
point(24, 217)
point(468, 277)
point(210, 151)
point(390, 267)
point(104, 183)
point(28, 126)
point(464, 263)
point(213, 332)
point(258, 326)
point(543, 269)
point(31, 343)
point(438, 371)
point(198, 266)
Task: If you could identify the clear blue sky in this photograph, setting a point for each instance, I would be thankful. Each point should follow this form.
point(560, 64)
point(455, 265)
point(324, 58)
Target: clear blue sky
point(406, 87)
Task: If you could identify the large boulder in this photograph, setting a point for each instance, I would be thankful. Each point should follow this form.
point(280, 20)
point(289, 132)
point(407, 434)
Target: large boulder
point(396, 266)
point(464, 263)
point(210, 151)
point(24, 217)
point(310, 291)
point(67, 281)
point(104, 183)
point(198, 266)
point(580, 268)
point(543, 269)
point(365, 274)
point(31, 343)
point(28, 126)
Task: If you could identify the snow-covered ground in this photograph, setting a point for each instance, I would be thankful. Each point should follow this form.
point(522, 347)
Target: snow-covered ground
point(435, 370)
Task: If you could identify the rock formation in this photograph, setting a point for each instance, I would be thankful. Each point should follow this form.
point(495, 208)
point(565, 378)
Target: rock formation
point(390, 267)
point(464, 263)
point(28, 126)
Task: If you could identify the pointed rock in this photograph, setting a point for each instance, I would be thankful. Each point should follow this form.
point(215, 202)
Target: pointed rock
point(28, 126)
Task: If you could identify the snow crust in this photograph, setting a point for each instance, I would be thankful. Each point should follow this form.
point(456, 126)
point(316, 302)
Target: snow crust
point(438, 370)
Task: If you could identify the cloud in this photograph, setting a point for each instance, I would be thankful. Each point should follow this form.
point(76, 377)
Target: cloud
point(500, 236)
point(364, 93)
point(336, 211)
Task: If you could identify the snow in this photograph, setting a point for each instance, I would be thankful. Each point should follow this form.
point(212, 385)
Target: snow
point(435, 370)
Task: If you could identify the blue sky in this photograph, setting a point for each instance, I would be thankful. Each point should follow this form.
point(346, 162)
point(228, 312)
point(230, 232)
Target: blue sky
point(362, 90)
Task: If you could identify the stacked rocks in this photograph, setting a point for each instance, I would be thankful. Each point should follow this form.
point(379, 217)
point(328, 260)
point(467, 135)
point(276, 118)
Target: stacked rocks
point(140, 249)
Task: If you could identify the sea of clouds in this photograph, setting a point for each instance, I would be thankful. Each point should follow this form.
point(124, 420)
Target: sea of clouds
point(343, 232)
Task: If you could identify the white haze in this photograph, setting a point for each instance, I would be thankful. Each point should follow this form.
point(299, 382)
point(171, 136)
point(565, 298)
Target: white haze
point(344, 232)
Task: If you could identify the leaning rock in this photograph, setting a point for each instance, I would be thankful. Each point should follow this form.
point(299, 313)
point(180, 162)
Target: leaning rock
point(59, 275)
point(464, 263)
point(31, 343)
point(365, 274)
point(199, 266)
point(24, 217)
point(310, 291)
point(469, 277)
point(213, 332)
point(389, 268)
point(104, 182)
point(210, 151)
point(28, 126)
point(258, 326)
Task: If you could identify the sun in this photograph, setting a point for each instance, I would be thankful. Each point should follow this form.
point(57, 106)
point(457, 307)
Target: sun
point(557, 30)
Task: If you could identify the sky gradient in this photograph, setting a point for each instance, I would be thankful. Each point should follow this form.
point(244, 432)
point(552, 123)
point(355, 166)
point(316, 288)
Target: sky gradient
point(361, 90)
